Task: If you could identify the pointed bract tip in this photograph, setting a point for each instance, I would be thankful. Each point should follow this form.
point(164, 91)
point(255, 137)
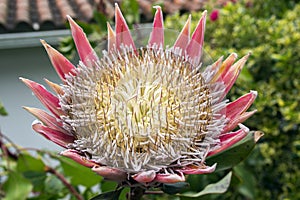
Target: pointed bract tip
point(194, 48)
point(157, 7)
point(117, 9)
point(69, 18)
point(123, 35)
point(234, 55)
point(85, 51)
point(44, 43)
point(110, 32)
point(189, 20)
point(183, 38)
point(109, 28)
point(245, 57)
point(244, 128)
point(199, 169)
point(27, 81)
point(186, 27)
point(111, 37)
point(61, 64)
point(158, 17)
point(31, 84)
point(157, 35)
point(28, 109)
point(254, 92)
point(72, 23)
point(55, 87)
point(258, 135)
point(203, 17)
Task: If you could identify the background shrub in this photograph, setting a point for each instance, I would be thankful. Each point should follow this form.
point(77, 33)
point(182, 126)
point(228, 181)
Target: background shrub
point(271, 31)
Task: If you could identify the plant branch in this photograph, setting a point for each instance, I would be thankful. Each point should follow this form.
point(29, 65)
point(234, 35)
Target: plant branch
point(5, 150)
point(65, 182)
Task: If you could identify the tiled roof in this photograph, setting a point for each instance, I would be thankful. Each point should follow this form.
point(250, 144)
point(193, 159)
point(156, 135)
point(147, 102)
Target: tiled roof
point(28, 15)
point(146, 6)
point(34, 15)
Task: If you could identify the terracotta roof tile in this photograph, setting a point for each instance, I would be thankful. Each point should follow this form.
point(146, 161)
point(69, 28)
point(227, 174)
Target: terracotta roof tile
point(29, 15)
point(24, 15)
point(3, 11)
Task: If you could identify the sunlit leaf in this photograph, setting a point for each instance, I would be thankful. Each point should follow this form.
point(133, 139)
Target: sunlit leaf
point(27, 162)
point(235, 154)
point(16, 187)
point(214, 188)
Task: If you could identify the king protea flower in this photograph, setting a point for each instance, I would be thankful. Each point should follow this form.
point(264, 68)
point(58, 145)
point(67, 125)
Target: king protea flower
point(144, 115)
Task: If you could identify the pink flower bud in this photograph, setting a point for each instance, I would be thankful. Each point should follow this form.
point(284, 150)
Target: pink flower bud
point(214, 15)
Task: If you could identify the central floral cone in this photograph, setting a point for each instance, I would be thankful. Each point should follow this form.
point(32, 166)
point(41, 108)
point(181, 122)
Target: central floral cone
point(142, 115)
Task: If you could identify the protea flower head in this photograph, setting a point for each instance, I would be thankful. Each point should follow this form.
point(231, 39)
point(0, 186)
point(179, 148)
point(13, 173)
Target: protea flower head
point(146, 115)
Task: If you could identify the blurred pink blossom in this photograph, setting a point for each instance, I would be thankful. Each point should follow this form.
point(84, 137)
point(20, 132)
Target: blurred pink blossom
point(214, 15)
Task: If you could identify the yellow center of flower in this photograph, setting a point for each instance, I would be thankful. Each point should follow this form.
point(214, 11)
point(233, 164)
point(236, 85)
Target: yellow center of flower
point(146, 111)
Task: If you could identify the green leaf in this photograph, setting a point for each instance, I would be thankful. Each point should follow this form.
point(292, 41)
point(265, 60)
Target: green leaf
point(214, 188)
point(175, 187)
point(112, 195)
point(132, 15)
point(27, 162)
point(79, 174)
point(108, 185)
point(36, 178)
point(2, 110)
point(33, 169)
point(235, 154)
point(16, 187)
point(101, 20)
point(247, 185)
point(53, 186)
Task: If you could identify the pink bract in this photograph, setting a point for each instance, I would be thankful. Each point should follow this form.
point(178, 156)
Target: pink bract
point(142, 115)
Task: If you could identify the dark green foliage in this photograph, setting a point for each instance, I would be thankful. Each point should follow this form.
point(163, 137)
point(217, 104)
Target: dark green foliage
point(112, 195)
point(271, 31)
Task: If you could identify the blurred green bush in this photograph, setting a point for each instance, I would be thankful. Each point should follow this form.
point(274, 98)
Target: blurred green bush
point(271, 31)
